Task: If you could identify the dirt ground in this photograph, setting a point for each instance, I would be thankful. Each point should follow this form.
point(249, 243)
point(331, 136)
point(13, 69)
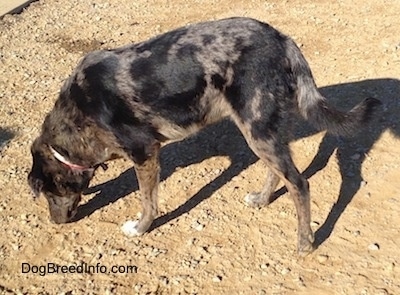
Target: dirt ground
point(207, 241)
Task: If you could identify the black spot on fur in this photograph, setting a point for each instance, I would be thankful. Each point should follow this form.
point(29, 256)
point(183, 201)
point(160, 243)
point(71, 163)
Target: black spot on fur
point(187, 50)
point(167, 88)
point(208, 39)
point(218, 81)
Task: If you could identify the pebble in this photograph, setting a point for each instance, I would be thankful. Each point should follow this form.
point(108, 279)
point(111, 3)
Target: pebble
point(373, 247)
point(322, 258)
point(390, 266)
point(164, 280)
point(217, 279)
point(175, 281)
point(285, 271)
point(197, 226)
point(191, 242)
point(247, 279)
point(314, 223)
point(137, 287)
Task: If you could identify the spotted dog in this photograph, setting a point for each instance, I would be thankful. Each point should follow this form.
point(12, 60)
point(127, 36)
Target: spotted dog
point(128, 102)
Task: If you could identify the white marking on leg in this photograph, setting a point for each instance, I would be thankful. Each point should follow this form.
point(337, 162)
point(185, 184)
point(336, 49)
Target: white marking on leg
point(129, 228)
point(250, 198)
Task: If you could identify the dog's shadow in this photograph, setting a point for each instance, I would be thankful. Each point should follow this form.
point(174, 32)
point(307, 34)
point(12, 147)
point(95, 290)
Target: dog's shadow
point(224, 139)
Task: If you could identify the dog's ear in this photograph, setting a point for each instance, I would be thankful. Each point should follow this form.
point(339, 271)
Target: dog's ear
point(36, 177)
point(36, 181)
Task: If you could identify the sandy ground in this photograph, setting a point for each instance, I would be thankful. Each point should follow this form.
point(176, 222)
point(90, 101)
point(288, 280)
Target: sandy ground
point(206, 240)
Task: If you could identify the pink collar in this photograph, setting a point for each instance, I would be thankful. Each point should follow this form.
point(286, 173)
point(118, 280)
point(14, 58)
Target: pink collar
point(63, 160)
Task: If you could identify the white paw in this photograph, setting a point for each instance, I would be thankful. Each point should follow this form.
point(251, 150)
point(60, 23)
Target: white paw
point(129, 228)
point(249, 199)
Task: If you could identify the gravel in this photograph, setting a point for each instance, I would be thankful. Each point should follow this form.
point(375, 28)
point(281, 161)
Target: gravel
point(218, 246)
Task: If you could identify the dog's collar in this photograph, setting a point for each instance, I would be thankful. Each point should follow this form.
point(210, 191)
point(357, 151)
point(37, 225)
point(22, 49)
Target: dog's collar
point(67, 163)
point(73, 166)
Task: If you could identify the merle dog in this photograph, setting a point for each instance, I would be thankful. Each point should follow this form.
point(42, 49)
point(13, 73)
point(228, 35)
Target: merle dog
point(128, 102)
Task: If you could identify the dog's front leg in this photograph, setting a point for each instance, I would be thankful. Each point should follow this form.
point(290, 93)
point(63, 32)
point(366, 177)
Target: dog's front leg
point(148, 178)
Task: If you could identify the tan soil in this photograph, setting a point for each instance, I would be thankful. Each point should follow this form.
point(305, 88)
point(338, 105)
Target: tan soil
point(207, 241)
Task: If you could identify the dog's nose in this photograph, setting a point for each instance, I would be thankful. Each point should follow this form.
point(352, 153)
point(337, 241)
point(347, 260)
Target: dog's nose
point(59, 220)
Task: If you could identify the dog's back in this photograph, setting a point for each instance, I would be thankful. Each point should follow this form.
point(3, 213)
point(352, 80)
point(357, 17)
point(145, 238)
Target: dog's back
point(196, 75)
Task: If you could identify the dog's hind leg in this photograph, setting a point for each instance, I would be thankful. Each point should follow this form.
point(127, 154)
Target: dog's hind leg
point(274, 151)
point(148, 175)
point(263, 198)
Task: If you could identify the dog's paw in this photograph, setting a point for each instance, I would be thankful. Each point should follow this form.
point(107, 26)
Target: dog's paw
point(130, 228)
point(306, 245)
point(255, 200)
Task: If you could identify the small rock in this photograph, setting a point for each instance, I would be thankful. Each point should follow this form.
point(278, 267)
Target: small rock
point(285, 271)
point(283, 214)
point(247, 279)
point(322, 258)
point(137, 287)
point(217, 279)
point(314, 223)
point(373, 247)
point(197, 226)
point(191, 242)
point(217, 171)
point(264, 265)
point(390, 266)
point(200, 227)
point(356, 156)
point(175, 281)
point(164, 280)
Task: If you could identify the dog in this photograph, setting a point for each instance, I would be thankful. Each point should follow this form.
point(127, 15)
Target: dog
point(130, 101)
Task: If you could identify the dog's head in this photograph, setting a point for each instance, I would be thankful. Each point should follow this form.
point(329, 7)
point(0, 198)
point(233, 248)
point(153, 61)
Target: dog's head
point(61, 184)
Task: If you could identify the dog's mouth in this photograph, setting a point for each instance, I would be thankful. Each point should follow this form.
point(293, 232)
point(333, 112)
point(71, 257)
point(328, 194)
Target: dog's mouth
point(63, 218)
point(63, 210)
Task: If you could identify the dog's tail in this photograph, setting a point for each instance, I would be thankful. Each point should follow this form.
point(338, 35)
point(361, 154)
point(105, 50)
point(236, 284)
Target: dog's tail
point(316, 109)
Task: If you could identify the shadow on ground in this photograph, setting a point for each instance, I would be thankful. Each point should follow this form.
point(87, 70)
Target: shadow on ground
point(224, 139)
point(5, 136)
